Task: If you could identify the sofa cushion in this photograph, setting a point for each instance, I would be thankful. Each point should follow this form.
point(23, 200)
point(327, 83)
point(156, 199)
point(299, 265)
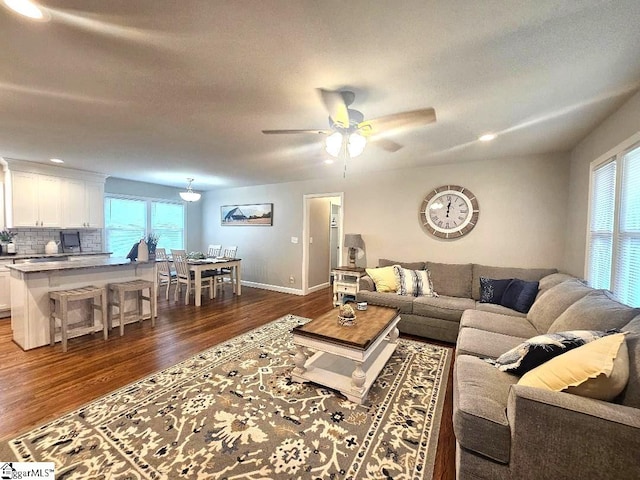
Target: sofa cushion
point(484, 344)
point(631, 395)
point(447, 308)
point(519, 295)
point(403, 303)
point(479, 410)
point(537, 350)
point(491, 290)
point(552, 280)
point(383, 262)
point(497, 323)
point(384, 278)
point(528, 274)
point(413, 283)
point(554, 301)
point(452, 280)
point(490, 307)
point(599, 369)
point(596, 311)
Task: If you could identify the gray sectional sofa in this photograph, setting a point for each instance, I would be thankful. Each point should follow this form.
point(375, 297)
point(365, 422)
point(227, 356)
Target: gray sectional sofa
point(458, 288)
point(508, 431)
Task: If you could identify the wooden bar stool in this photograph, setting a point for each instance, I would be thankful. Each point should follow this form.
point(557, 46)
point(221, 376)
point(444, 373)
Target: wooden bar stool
point(117, 293)
point(59, 308)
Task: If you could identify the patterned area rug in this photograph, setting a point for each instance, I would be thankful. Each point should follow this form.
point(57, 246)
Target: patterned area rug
point(232, 412)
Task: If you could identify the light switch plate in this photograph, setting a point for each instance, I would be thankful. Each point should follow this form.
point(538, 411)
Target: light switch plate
point(294, 239)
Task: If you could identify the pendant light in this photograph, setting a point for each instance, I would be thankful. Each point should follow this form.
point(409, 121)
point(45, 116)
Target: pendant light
point(190, 195)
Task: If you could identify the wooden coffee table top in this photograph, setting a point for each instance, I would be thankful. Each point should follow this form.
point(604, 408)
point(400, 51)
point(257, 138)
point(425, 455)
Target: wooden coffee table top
point(370, 324)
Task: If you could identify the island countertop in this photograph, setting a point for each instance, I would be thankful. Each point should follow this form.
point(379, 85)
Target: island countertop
point(74, 265)
point(52, 256)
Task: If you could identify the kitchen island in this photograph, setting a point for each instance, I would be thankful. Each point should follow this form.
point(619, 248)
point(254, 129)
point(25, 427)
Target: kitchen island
point(31, 283)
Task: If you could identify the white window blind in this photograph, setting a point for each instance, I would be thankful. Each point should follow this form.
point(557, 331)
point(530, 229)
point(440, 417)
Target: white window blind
point(125, 224)
point(627, 270)
point(614, 227)
point(127, 220)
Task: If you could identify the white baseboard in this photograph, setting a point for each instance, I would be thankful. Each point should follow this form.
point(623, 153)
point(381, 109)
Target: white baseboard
point(274, 288)
point(318, 287)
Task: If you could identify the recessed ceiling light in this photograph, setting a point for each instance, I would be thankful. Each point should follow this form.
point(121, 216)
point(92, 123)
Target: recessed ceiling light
point(27, 8)
point(328, 161)
point(487, 137)
point(56, 160)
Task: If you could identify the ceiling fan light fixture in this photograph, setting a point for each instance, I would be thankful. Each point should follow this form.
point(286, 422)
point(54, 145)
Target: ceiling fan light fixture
point(26, 8)
point(356, 144)
point(487, 137)
point(190, 195)
point(334, 144)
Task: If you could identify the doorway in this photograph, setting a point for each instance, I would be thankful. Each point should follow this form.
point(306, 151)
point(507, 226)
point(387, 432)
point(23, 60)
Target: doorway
point(321, 239)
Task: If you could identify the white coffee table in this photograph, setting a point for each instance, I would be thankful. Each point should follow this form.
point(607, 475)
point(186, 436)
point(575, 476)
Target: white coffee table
point(347, 359)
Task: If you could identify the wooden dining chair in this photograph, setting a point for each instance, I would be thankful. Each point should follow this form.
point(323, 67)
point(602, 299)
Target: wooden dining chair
point(220, 276)
point(186, 277)
point(166, 275)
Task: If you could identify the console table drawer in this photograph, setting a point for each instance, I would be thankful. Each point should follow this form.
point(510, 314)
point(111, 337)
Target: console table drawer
point(351, 288)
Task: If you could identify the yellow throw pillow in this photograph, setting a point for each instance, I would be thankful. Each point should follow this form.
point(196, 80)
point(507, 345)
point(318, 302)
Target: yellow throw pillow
point(599, 369)
point(384, 278)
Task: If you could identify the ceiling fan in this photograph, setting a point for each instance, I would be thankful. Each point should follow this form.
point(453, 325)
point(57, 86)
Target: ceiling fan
point(349, 132)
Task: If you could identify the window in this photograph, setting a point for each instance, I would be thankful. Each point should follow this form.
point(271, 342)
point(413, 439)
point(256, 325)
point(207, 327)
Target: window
point(613, 256)
point(128, 219)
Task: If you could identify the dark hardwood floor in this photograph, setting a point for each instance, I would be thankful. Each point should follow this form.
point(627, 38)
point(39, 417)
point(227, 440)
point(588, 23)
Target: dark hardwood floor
point(41, 384)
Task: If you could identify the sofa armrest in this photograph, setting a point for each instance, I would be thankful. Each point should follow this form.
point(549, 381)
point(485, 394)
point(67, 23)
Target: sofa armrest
point(559, 435)
point(366, 283)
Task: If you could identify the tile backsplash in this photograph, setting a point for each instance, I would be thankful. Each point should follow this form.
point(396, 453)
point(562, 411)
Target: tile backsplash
point(33, 240)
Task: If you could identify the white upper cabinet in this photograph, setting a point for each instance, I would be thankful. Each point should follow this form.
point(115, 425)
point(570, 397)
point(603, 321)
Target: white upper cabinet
point(35, 199)
point(38, 195)
point(82, 204)
point(94, 196)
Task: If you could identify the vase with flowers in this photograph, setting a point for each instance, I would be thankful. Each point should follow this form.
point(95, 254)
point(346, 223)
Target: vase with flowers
point(7, 247)
point(152, 243)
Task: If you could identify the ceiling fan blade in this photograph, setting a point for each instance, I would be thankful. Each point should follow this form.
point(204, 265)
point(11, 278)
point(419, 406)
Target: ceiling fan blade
point(413, 118)
point(277, 132)
point(335, 104)
point(386, 144)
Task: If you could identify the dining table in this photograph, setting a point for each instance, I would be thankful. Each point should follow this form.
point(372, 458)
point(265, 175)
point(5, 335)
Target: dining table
point(206, 264)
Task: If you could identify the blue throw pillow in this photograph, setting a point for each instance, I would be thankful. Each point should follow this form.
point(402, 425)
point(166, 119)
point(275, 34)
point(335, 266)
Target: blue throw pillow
point(519, 295)
point(491, 290)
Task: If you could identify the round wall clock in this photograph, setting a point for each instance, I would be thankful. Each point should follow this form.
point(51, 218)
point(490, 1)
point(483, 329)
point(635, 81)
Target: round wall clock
point(449, 211)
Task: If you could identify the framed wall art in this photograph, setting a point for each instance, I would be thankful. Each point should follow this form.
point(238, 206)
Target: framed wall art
point(250, 214)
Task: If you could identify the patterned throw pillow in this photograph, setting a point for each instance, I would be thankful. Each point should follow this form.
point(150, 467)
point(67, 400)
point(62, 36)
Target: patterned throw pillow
point(538, 350)
point(412, 282)
point(491, 290)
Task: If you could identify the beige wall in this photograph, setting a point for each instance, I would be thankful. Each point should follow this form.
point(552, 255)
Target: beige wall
point(522, 219)
point(620, 126)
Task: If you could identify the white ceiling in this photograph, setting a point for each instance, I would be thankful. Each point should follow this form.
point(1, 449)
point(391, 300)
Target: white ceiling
point(159, 91)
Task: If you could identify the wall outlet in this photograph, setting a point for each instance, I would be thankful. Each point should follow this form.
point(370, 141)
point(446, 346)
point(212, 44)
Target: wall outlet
point(292, 279)
point(294, 239)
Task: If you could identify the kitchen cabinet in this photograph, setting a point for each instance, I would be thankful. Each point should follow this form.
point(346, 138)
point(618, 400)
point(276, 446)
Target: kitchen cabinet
point(40, 195)
point(5, 290)
point(82, 204)
point(36, 200)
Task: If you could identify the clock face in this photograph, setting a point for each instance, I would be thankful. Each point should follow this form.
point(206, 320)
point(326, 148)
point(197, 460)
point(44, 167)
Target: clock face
point(449, 211)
